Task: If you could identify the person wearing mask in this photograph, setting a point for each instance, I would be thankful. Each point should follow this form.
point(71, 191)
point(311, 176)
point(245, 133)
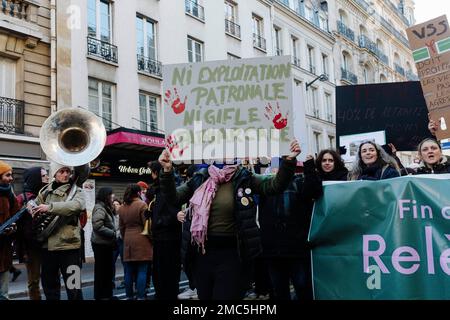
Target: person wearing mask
point(223, 226)
point(137, 248)
point(373, 163)
point(28, 249)
point(330, 166)
point(8, 207)
point(284, 221)
point(432, 159)
point(166, 238)
point(61, 250)
point(103, 242)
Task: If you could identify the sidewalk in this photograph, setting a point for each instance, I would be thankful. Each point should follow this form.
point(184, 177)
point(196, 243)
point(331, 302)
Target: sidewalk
point(18, 289)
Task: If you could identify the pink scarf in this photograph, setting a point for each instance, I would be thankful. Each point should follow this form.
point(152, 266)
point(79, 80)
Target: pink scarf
point(201, 201)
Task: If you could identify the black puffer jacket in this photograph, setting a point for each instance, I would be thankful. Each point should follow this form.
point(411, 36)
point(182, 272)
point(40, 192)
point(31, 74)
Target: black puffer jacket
point(285, 219)
point(442, 167)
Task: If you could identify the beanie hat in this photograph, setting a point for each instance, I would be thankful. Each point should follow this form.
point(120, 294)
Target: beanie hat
point(142, 184)
point(55, 167)
point(4, 167)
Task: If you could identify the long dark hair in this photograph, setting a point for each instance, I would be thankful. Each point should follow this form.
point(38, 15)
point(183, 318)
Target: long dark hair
point(104, 195)
point(131, 192)
point(338, 162)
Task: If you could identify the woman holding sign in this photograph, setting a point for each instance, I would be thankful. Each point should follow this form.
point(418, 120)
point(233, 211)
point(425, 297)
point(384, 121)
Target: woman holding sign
point(222, 213)
point(373, 163)
point(430, 153)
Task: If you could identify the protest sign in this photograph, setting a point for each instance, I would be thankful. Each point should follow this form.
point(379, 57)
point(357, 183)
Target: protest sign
point(229, 109)
point(386, 239)
point(430, 44)
point(397, 108)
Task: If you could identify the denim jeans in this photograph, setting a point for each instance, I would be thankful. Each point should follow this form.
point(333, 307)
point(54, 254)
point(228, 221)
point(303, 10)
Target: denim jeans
point(135, 270)
point(118, 251)
point(4, 285)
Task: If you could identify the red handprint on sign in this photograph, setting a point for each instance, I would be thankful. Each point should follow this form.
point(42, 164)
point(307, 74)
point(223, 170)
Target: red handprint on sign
point(174, 101)
point(277, 118)
point(173, 147)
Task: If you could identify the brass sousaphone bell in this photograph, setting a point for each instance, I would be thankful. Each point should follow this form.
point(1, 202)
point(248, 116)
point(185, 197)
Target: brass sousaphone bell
point(73, 137)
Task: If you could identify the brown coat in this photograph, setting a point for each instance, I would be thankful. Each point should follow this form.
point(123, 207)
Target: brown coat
point(5, 241)
point(136, 247)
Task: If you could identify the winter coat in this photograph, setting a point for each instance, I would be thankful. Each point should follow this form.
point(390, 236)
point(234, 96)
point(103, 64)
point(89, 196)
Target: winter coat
point(67, 237)
point(248, 237)
point(136, 247)
point(335, 175)
point(442, 167)
point(8, 207)
point(379, 173)
point(285, 218)
point(103, 228)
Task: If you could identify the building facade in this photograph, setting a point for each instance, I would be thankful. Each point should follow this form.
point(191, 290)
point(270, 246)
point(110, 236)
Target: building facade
point(25, 81)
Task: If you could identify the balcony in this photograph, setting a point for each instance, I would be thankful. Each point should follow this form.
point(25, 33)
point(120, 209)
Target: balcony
point(397, 11)
point(150, 66)
point(11, 115)
point(296, 61)
point(194, 9)
point(101, 49)
point(394, 31)
point(232, 28)
point(346, 31)
point(363, 4)
point(399, 69)
point(348, 76)
point(411, 76)
point(20, 9)
point(259, 42)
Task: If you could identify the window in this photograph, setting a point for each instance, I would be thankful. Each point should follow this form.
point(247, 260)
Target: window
point(325, 64)
point(277, 32)
point(345, 61)
point(300, 7)
point(146, 38)
point(193, 7)
point(317, 142)
point(329, 107)
point(101, 100)
point(314, 102)
point(148, 110)
point(294, 44)
point(231, 56)
point(195, 50)
point(99, 20)
point(231, 20)
point(7, 78)
point(312, 67)
point(258, 39)
point(230, 12)
point(331, 140)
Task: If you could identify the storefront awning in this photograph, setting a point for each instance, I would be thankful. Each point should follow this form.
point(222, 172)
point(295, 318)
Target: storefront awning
point(130, 139)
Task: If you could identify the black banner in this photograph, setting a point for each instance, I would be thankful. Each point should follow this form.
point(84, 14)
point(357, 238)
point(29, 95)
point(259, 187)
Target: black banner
point(398, 108)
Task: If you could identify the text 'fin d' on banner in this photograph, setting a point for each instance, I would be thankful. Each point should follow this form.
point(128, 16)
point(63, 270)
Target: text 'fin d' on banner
point(430, 45)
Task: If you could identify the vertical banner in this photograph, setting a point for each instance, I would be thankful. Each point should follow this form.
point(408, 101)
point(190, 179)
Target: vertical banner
point(89, 194)
point(430, 44)
point(229, 109)
point(386, 239)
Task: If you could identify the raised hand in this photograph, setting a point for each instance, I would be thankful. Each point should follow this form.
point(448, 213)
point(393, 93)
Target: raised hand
point(174, 148)
point(433, 126)
point(174, 101)
point(279, 122)
point(164, 160)
point(295, 150)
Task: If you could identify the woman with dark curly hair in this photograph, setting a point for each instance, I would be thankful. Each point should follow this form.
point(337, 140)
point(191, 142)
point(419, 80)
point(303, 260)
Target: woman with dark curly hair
point(330, 166)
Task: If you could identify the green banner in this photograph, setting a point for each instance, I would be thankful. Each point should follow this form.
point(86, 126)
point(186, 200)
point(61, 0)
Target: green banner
point(386, 239)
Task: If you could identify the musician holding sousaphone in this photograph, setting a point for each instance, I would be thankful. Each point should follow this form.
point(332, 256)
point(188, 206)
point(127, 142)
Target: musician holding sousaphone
point(8, 207)
point(70, 138)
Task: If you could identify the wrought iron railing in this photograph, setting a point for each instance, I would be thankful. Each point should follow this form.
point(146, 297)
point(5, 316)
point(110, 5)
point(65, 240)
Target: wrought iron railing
point(11, 115)
point(346, 31)
point(394, 31)
point(366, 43)
point(399, 69)
point(148, 65)
point(349, 76)
point(232, 28)
point(296, 61)
point(278, 52)
point(101, 49)
point(259, 42)
point(195, 9)
point(411, 76)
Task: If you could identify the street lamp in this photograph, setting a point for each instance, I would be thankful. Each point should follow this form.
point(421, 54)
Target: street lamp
point(322, 77)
